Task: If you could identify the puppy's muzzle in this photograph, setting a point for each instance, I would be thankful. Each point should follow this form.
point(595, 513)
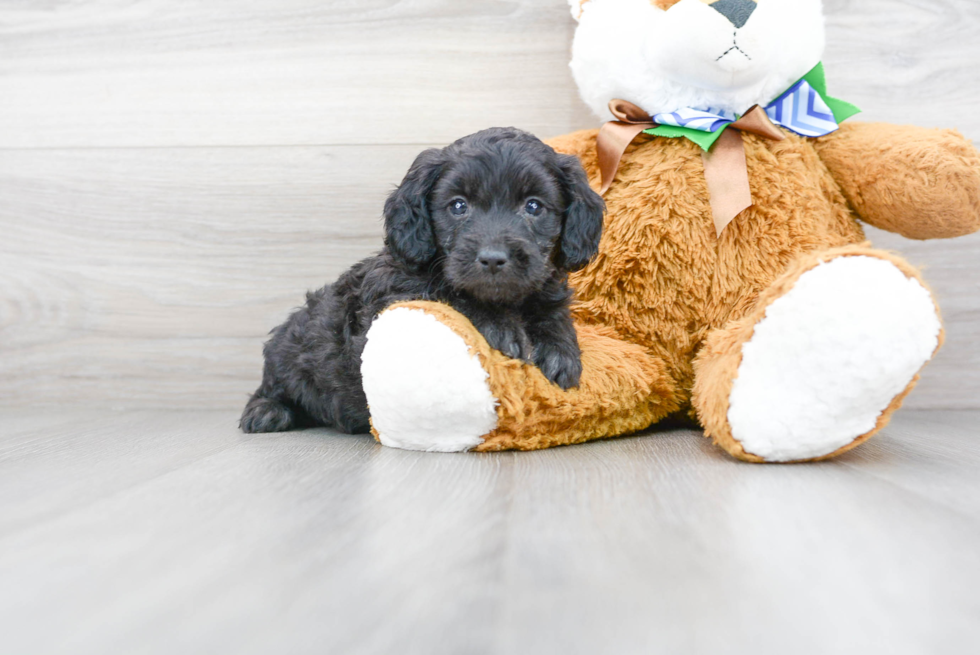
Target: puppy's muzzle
point(492, 260)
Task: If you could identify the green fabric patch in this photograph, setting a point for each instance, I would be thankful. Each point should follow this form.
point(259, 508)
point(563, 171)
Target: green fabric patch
point(703, 139)
point(817, 78)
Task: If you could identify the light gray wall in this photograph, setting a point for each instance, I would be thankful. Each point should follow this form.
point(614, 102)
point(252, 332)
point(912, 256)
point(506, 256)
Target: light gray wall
point(174, 175)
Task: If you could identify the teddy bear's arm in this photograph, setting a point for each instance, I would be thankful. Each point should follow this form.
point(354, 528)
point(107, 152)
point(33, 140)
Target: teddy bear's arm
point(920, 183)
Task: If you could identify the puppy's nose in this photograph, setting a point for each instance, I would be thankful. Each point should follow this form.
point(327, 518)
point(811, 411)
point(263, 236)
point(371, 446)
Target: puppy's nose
point(492, 260)
point(736, 11)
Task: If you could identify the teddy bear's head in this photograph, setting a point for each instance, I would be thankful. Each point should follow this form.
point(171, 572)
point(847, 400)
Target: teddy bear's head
point(666, 55)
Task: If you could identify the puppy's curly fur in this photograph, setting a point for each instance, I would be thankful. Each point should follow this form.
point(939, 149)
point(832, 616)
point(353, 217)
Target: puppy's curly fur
point(489, 225)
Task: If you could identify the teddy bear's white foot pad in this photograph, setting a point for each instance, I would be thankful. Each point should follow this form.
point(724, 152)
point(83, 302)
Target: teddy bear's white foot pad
point(829, 357)
point(425, 389)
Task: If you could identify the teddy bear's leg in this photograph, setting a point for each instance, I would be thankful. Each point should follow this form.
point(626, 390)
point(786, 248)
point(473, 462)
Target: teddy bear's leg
point(433, 383)
point(822, 361)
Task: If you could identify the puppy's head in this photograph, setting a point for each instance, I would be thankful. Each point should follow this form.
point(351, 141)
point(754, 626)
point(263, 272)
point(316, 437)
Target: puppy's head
point(499, 211)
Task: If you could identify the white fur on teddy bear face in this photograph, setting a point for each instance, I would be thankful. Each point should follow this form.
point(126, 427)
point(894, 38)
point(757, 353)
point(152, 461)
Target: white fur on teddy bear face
point(829, 357)
point(665, 60)
point(425, 389)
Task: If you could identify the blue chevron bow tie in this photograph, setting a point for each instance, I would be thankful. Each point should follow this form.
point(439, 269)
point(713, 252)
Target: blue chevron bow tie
point(801, 109)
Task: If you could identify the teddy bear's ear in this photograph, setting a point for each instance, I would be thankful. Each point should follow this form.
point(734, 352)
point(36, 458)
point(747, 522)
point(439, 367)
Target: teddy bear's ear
point(577, 6)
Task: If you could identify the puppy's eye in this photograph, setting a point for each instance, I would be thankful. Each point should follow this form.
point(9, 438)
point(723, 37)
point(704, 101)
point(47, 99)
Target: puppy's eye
point(458, 207)
point(534, 207)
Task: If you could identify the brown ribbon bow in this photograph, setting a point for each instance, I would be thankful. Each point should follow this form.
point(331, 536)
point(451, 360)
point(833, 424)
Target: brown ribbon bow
point(725, 169)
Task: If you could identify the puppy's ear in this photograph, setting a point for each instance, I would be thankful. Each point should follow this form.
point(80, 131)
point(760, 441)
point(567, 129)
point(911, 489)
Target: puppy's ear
point(582, 226)
point(408, 226)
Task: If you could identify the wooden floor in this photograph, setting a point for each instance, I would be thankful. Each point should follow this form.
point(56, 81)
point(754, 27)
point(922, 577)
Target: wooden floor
point(171, 532)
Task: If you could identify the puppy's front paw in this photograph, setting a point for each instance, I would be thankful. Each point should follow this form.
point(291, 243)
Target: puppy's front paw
point(512, 342)
point(511, 347)
point(562, 369)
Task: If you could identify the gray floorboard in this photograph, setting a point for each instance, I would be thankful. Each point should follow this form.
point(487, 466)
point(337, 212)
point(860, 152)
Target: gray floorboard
point(167, 532)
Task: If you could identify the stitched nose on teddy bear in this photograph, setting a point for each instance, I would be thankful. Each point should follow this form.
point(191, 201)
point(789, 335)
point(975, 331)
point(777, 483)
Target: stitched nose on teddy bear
point(736, 11)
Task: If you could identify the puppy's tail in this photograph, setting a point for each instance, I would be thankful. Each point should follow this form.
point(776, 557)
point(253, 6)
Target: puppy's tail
point(267, 415)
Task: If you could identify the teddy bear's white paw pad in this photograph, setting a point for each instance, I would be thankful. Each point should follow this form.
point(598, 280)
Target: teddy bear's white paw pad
point(425, 390)
point(829, 357)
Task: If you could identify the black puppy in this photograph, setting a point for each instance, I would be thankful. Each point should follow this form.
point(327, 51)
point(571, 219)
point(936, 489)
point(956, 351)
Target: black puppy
point(489, 225)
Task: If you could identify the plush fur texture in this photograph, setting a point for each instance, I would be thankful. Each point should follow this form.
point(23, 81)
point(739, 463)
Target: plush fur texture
point(664, 310)
point(489, 225)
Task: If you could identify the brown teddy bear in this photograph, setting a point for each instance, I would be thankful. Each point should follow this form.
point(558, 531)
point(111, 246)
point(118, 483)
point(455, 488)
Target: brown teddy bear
point(734, 284)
